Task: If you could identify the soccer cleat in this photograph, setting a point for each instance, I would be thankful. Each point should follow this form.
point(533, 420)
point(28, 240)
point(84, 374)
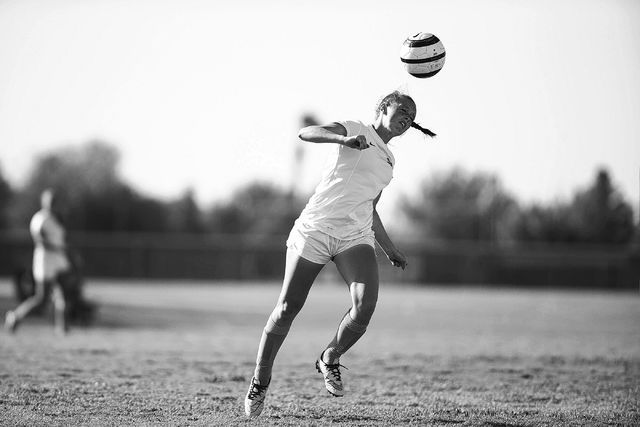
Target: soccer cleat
point(254, 402)
point(331, 374)
point(10, 322)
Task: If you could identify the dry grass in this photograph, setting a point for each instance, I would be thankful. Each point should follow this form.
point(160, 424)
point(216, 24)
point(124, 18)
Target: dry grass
point(182, 354)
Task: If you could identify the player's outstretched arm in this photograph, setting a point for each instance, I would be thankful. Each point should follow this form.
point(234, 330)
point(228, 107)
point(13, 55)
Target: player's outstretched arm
point(332, 133)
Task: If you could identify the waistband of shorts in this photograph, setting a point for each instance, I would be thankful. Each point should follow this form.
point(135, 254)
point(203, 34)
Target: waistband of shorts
point(317, 227)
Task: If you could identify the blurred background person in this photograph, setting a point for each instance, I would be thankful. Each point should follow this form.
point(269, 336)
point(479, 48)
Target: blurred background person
point(50, 263)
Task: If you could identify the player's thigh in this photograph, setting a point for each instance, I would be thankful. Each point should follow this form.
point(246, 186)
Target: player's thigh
point(358, 265)
point(359, 268)
point(42, 288)
point(299, 275)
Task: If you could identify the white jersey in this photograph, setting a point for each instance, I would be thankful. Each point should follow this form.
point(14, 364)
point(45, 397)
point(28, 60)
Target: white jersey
point(342, 205)
point(48, 262)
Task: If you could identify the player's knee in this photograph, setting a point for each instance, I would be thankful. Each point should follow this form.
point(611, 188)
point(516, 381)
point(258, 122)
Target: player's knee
point(364, 313)
point(286, 311)
point(363, 308)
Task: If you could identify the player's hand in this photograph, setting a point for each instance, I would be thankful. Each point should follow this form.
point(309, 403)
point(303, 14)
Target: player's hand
point(398, 259)
point(357, 142)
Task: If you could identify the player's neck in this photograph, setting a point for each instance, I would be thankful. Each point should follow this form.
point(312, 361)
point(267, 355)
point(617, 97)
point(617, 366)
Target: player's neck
point(383, 133)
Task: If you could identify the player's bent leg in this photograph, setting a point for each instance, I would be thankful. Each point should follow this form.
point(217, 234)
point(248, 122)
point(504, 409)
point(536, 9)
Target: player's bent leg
point(359, 269)
point(13, 318)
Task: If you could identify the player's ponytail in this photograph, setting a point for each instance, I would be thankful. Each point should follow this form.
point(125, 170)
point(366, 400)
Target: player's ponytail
point(395, 96)
point(423, 130)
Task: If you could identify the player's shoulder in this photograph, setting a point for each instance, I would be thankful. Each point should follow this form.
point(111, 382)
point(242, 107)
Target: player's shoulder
point(39, 216)
point(37, 221)
point(43, 216)
point(353, 127)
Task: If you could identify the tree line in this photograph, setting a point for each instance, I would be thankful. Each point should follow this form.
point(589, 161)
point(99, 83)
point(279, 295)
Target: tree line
point(450, 205)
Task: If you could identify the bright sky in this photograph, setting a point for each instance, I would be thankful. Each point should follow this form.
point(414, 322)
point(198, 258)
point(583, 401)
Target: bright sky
point(210, 94)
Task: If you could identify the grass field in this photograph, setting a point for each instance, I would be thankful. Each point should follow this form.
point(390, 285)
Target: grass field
point(175, 353)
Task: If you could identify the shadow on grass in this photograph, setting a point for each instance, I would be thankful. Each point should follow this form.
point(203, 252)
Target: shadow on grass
point(133, 316)
point(117, 316)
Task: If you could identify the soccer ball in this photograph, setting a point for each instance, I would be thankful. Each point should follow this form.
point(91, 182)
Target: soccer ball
point(423, 55)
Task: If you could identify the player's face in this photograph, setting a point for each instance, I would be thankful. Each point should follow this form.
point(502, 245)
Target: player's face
point(400, 115)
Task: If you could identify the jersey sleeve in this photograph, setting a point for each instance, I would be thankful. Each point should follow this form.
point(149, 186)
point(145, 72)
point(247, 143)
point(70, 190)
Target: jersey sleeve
point(353, 128)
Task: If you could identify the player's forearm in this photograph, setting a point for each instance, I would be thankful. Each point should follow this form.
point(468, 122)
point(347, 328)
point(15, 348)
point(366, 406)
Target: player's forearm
point(320, 135)
point(381, 235)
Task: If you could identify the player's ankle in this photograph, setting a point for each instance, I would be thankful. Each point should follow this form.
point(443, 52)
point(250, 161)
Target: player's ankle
point(262, 378)
point(330, 356)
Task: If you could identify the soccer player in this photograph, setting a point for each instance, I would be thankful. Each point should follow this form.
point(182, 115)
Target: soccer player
point(49, 263)
point(340, 224)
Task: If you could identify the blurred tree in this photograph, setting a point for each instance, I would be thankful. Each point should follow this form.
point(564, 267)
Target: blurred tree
point(545, 224)
point(461, 205)
point(92, 195)
point(257, 208)
point(601, 214)
point(185, 215)
point(6, 194)
point(77, 174)
point(598, 214)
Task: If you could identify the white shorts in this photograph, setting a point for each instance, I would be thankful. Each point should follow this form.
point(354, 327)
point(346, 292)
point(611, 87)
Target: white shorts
point(47, 265)
point(319, 247)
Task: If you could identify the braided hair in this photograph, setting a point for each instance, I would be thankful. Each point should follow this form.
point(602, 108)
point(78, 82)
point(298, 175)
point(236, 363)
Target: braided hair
point(423, 130)
point(395, 97)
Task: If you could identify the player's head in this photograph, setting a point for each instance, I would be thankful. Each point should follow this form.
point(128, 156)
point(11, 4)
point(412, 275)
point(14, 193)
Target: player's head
point(397, 112)
point(48, 199)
